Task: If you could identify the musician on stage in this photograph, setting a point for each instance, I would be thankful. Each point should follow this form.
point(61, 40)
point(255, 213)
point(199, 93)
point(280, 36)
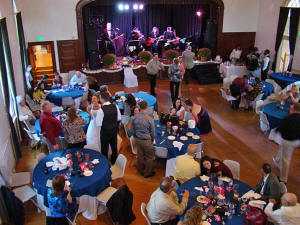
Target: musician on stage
point(169, 34)
point(136, 34)
point(107, 37)
point(152, 41)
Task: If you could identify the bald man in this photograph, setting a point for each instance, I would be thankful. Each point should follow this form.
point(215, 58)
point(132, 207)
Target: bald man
point(186, 167)
point(288, 214)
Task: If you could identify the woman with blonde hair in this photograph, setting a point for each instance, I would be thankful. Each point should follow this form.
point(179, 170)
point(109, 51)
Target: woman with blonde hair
point(73, 129)
point(291, 97)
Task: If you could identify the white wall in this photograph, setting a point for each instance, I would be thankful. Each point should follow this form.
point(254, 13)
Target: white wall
point(241, 15)
point(6, 10)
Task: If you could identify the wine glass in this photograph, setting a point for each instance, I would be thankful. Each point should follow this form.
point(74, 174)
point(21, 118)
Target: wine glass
point(210, 184)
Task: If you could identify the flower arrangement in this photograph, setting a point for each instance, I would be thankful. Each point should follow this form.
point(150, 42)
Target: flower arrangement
point(204, 54)
point(109, 59)
point(145, 56)
point(171, 54)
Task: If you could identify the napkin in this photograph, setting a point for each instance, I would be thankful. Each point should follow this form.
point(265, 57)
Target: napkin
point(226, 179)
point(60, 163)
point(199, 188)
point(251, 194)
point(204, 178)
point(49, 183)
point(178, 145)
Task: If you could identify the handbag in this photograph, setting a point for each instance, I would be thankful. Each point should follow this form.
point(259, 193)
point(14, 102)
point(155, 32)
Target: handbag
point(255, 216)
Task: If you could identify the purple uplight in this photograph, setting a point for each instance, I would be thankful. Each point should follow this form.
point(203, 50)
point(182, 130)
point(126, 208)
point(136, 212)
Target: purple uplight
point(198, 13)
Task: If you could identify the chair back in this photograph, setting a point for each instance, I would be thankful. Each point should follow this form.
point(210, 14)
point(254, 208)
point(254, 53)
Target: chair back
point(92, 147)
point(223, 93)
point(49, 145)
point(121, 162)
point(31, 135)
point(161, 152)
point(133, 145)
point(150, 111)
point(67, 102)
point(119, 92)
point(199, 150)
point(263, 122)
point(258, 106)
point(234, 167)
point(259, 97)
point(145, 213)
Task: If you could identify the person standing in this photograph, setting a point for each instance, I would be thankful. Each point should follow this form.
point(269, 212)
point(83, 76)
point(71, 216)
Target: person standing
point(236, 53)
point(175, 78)
point(153, 67)
point(109, 129)
point(50, 126)
point(142, 129)
point(266, 65)
point(188, 62)
point(290, 133)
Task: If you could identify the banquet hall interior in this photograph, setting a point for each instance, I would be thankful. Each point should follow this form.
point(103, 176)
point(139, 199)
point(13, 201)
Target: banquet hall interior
point(55, 52)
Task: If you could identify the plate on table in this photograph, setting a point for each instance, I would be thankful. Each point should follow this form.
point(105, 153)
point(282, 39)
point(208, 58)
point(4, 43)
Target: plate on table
point(257, 203)
point(205, 223)
point(49, 164)
point(184, 138)
point(88, 173)
point(190, 134)
point(95, 161)
point(119, 100)
point(171, 138)
point(196, 137)
point(202, 199)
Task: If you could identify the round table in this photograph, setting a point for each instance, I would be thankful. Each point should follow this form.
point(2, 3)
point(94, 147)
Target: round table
point(56, 95)
point(197, 182)
point(284, 81)
point(267, 90)
point(274, 114)
point(150, 99)
point(90, 186)
point(83, 114)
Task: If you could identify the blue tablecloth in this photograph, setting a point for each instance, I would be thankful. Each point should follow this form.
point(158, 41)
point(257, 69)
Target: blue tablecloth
point(275, 114)
point(267, 90)
point(91, 185)
point(173, 152)
point(197, 182)
point(56, 95)
point(284, 81)
point(150, 99)
point(84, 115)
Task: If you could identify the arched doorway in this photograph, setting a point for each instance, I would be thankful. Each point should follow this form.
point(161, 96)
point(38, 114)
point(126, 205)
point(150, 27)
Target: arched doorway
point(80, 26)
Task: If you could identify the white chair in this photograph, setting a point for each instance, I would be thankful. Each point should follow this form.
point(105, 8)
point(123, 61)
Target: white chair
point(161, 152)
point(67, 102)
point(199, 147)
point(32, 104)
point(258, 106)
point(143, 92)
point(119, 92)
point(118, 169)
point(145, 213)
point(33, 137)
point(26, 193)
point(106, 194)
point(263, 122)
point(277, 88)
point(258, 97)
point(49, 145)
point(234, 167)
point(133, 145)
point(130, 79)
point(92, 147)
point(19, 179)
point(228, 98)
point(150, 111)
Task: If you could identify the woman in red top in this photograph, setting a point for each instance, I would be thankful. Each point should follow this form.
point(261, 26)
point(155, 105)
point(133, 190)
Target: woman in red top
point(209, 165)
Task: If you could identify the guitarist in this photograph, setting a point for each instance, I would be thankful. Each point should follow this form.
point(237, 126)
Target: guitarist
point(152, 41)
point(170, 36)
point(107, 36)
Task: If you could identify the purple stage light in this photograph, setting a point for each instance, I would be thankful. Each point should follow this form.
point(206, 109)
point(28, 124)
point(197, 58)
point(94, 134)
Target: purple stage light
point(198, 13)
point(126, 7)
point(135, 6)
point(141, 6)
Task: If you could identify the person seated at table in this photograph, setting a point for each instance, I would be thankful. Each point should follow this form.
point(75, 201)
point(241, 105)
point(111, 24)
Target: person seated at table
point(236, 53)
point(104, 88)
point(214, 166)
point(135, 111)
point(57, 81)
point(59, 199)
point(39, 95)
point(129, 104)
point(186, 114)
point(25, 114)
point(201, 117)
point(193, 216)
point(78, 79)
point(287, 214)
point(178, 106)
point(73, 129)
point(50, 126)
point(186, 166)
point(238, 87)
point(253, 64)
point(268, 185)
point(291, 97)
point(252, 92)
point(164, 207)
point(44, 80)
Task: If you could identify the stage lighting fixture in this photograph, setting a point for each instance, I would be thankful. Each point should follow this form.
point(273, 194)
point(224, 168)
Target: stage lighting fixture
point(126, 7)
point(198, 13)
point(121, 7)
point(141, 6)
point(135, 7)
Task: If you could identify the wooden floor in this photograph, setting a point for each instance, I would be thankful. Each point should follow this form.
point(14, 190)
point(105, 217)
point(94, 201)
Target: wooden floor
point(235, 136)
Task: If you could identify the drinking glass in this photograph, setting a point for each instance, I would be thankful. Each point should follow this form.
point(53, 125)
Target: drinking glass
point(220, 182)
point(87, 157)
point(235, 187)
point(210, 184)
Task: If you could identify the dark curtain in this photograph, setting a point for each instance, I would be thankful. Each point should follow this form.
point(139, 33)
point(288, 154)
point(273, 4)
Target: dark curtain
point(294, 22)
point(23, 50)
point(8, 77)
point(283, 16)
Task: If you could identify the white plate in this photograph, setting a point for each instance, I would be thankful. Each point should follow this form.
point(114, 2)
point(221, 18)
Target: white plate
point(171, 138)
point(257, 202)
point(49, 164)
point(196, 137)
point(95, 161)
point(190, 134)
point(68, 183)
point(88, 173)
point(184, 138)
point(205, 223)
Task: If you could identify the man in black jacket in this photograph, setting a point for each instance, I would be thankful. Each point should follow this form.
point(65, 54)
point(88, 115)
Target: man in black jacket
point(290, 133)
point(269, 184)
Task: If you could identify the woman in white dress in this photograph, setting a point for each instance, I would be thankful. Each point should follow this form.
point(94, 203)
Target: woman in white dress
point(96, 113)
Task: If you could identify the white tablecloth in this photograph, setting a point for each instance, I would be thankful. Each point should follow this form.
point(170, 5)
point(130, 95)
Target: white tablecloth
point(130, 79)
point(227, 71)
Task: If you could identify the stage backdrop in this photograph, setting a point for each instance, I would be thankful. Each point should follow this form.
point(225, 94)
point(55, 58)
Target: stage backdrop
point(181, 17)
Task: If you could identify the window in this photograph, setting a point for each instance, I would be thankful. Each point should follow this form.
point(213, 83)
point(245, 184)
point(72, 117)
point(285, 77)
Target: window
point(294, 3)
